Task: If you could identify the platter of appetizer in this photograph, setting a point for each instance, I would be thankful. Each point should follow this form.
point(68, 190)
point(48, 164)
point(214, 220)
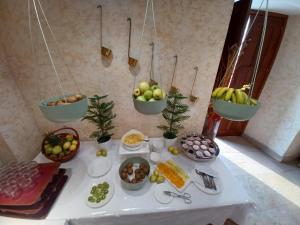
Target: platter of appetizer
point(198, 147)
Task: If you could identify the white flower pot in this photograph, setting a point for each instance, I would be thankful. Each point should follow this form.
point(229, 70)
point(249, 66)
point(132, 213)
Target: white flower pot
point(170, 142)
point(105, 145)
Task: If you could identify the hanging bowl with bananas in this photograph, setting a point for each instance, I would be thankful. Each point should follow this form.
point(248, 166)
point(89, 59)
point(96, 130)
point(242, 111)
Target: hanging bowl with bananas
point(234, 104)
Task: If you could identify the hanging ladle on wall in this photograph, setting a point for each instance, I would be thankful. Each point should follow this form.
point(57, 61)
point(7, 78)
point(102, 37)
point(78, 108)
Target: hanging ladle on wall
point(192, 97)
point(152, 81)
point(106, 52)
point(131, 61)
point(173, 88)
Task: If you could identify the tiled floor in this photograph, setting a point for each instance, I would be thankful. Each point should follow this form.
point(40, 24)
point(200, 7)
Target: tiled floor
point(274, 186)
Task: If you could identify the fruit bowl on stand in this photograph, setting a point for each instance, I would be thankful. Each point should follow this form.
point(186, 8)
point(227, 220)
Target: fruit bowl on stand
point(154, 107)
point(149, 99)
point(59, 109)
point(233, 111)
point(61, 145)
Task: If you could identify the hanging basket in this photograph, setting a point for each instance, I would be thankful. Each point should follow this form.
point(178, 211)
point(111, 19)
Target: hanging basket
point(64, 113)
point(233, 111)
point(149, 108)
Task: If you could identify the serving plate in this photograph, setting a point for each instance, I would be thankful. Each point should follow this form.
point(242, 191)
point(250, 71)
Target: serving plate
point(100, 167)
point(187, 180)
point(198, 181)
point(109, 195)
point(196, 146)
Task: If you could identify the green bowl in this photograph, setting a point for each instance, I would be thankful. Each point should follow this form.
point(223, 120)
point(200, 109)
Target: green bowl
point(234, 112)
point(150, 107)
point(135, 186)
point(64, 113)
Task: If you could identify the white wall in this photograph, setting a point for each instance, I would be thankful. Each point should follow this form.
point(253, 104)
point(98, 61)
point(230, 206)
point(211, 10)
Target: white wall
point(20, 137)
point(277, 123)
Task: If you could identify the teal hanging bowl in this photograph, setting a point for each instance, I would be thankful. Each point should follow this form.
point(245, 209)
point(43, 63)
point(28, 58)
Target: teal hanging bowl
point(149, 108)
point(233, 111)
point(64, 113)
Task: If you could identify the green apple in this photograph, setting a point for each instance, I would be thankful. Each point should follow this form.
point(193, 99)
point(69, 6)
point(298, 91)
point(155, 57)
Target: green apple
point(56, 150)
point(152, 178)
point(136, 92)
point(155, 86)
point(141, 98)
point(160, 179)
point(48, 150)
point(69, 137)
point(66, 145)
point(148, 94)
point(73, 147)
point(157, 94)
point(144, 86)
point(151, 100)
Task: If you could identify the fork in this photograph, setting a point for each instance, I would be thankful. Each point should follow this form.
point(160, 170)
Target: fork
point(208, 180)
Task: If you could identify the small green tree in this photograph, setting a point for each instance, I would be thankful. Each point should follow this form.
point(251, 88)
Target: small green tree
point(174, 114)
point(100, 113)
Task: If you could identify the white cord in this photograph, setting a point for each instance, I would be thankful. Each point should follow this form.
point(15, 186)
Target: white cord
point(141, 40)
point(50, 56)
point(235, 57)
point(57, 45)
point(257, 62)
point(30, 29)
point(157, 44)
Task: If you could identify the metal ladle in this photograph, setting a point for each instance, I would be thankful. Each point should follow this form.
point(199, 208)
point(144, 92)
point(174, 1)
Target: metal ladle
point(106, 52)
point(192, 97)
point(152, 81)
point(173, 88)
point(131, 61)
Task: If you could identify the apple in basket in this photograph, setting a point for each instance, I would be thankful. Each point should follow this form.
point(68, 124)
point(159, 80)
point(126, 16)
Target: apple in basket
point(69, 99)
point(144, 92)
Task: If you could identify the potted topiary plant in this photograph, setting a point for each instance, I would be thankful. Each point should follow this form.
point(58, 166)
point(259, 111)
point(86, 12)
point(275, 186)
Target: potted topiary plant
point(174, 114)
point(100, 113)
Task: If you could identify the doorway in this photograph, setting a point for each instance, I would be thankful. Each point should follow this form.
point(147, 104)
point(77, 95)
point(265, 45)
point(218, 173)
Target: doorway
point(241, 18)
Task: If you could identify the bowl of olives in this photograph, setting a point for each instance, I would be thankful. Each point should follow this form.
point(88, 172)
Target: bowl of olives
point(134, 173)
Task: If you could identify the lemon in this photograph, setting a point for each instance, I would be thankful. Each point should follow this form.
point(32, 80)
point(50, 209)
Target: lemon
point(73, 147)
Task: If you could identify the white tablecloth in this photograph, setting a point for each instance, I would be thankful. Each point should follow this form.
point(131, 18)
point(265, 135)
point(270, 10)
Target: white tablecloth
point(140, 207)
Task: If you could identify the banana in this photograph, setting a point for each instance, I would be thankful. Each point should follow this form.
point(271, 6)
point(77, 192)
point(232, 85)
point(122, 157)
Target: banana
point(239, 96)
point(246, 98)
point(228, 94)
point(233, 98)
point(253, 101)
point(221, 92)
point(215, 92)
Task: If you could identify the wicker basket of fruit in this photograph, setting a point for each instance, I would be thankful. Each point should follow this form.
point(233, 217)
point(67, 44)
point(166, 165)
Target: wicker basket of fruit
point(61, 145)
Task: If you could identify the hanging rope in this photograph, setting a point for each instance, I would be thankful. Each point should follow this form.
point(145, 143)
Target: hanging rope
point(58, 46)
point(142, 37)
point(48, 51)
point(235, 57)
point(262, 38)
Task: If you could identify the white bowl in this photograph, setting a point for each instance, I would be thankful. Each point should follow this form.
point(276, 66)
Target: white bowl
point(133, 146)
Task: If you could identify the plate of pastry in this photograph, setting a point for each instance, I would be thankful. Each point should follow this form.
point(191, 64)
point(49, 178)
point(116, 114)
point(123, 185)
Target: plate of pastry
point(198, 147)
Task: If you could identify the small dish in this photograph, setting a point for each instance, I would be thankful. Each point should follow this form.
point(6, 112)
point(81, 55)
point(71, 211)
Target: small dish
point(103, 202)
point(159, 194)
point(137, 139)
point(198, 181)
point(99, 167)
point(155, 157)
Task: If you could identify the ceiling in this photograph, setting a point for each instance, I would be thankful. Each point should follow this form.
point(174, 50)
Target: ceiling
point(289, 7)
